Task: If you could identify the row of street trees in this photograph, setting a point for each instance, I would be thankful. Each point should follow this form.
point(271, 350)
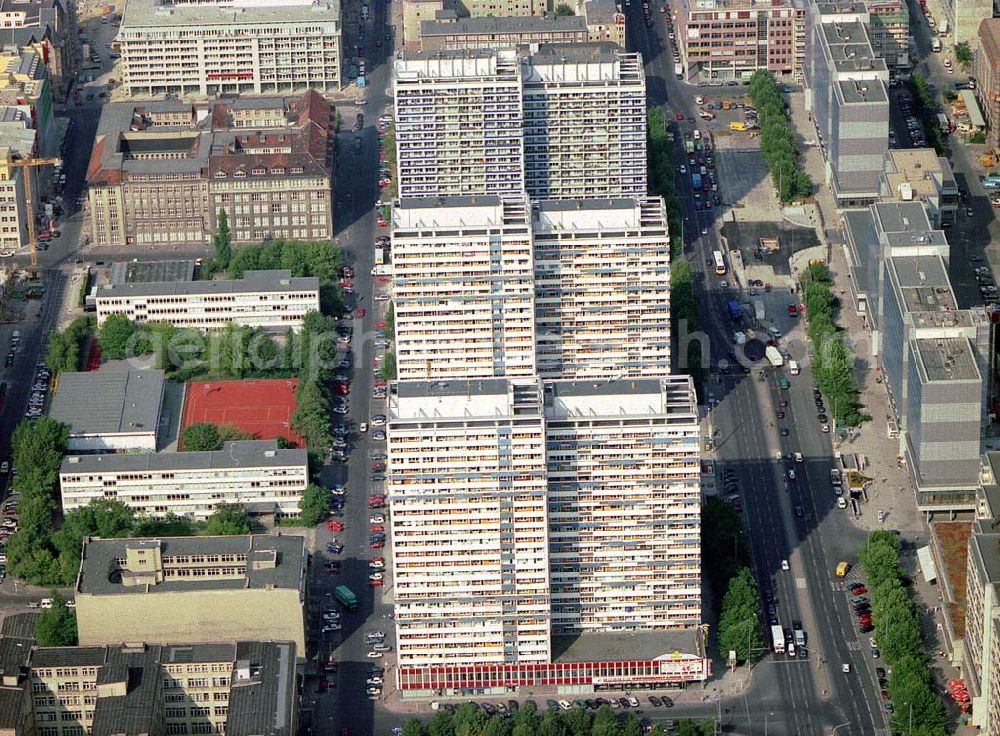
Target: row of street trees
point(832, 359)
point(919, 710)
point(67, 348)
point(735, 596)
point(927, 108)
point(468, 720)
point(778, 142)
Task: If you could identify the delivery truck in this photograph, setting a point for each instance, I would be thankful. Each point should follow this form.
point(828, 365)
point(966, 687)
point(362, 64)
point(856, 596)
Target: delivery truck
point(793, 368)
point(778, 639)
point(758, 310)
point(345, 597)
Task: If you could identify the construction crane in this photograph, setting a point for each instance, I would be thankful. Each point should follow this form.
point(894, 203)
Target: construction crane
point(28, 164)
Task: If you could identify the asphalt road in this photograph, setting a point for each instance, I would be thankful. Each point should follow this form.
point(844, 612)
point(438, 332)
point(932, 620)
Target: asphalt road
point(787, 695)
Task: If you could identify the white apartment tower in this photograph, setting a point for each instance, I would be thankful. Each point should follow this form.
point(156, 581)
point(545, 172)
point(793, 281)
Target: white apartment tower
point(463, 288)
point(602, 288)
point(458, 123)
point(568, 121)
point(469, 534)
point(584, 122)
point(624, 504)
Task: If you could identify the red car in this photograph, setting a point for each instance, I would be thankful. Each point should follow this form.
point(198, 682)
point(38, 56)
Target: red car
point(376, 499)
point(679, 117)
point(345, 284)
point(377, 545)
point(376, 529)
point(859, 591)
point(335, 526)
point(380, 325)
point(375, 583)
point(379, 383)
point(326, 684)
point(378, 467)
point(359, 312)
point(341, 390)
point(377, 560)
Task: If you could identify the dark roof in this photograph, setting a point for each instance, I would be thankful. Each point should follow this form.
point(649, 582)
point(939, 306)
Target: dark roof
point(69, 656)
point(264, 704)
point(14, 709)
point(21, 625)
point(135, 712)
point(15, 653)
point(99, 572)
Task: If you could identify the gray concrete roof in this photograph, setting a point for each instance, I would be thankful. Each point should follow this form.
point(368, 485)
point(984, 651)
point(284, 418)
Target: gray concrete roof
point(109, 401)
point(504, 24)
point(626, 646)
point(252, 282)
point(949, 359)
point(154, 13)
point(236, 454)
point(454, 387)
point(100, 575)
point(136, 272)
point(264, 704)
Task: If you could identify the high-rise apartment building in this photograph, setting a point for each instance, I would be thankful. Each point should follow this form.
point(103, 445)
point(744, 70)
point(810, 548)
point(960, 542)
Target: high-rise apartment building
point(516, 519)
point(584, 122)
point(624, 499)
point(563, 122)
point(469, 529)
point(208, 48)
point(731, 39)
point(463, 288)
point(459, 116)
point(580, 289)
point(602, 288)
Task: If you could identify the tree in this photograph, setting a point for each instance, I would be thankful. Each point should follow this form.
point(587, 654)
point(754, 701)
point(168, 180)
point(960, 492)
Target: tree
point(443, 725)
point(605, 723)
point(388, 370)
point(56, 626)
point(563, 10)
point(739, 623)
point(390, 321)
point(169, 526)
point(208, 437)
point(228, 520)
point(414, 727)
point(963, 54)
point(115, 337)
point(314, 505)
point(223, 242)
point(102, 517)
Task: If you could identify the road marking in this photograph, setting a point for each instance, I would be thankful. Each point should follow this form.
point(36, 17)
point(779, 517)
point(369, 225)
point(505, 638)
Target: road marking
point(800, 583)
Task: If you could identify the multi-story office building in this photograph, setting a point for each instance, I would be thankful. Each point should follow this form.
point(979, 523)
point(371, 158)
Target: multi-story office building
point(849, 100)
point(270, 300)
point(245, 688)
point(584, 122)
point(965, 17)
point(459, 117)
point(253, 473)
point(192, 589)
point(624, 537)
point(469, 532)
point(161, 172)
point(13, 202)
point(986, 70)
point(495, 32)
point(26, 95)
point(208, 47)
point(935, 357)
point(919, 174)
point(889, 30)
point(48, 28)
point(527, 471)
point(602, 288)
point(463, 290)
point(731, 39)
point(564, 122)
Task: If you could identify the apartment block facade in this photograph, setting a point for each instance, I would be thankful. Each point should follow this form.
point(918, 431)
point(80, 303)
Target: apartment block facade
point(196, 590)
point(13, 203)
point(986, 70)
point(496, 32)
point(565, 121)
point(270, 300)
point(161, 172)
point(245, 47)
point(602, 288)
point(469, 537)
point(240, 688)
point(191, 484)
point(624, 536)
point(563, 540)
point(731, 39)
point(463, 288)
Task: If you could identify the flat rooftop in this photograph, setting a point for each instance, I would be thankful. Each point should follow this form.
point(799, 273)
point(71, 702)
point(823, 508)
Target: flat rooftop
point(565, 400)
point(647, 645)
point(235, 454)
point(946, 359)
point(252, 282)
point(134, 711)
point(460, 399)
point(262, 696)
point(109, 401)
point(159, 14)
point(100, 571)
point(504, 24)
point(144, 272)
point(985, 542)
point(868, 91)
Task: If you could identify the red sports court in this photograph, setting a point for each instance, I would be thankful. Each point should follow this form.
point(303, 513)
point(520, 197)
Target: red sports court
point(262, 408)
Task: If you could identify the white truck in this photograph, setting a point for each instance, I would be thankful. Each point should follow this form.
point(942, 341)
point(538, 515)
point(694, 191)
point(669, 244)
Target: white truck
point(758, 310)
point(774, 356)
point(679, 70)
point(943, 28)
point(778, 639)
point(382, 270)
point(793, 368)
point(936, 45)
